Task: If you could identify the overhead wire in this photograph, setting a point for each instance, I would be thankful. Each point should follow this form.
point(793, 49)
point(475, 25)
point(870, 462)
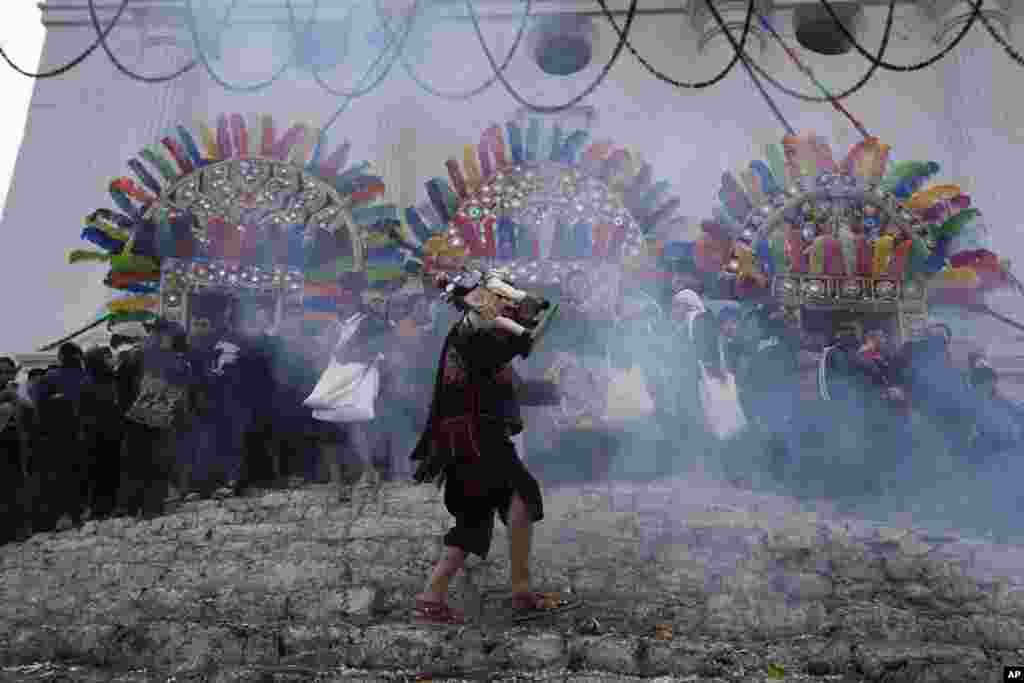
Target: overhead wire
point(322, 135)
point(665, 78)
point(61, 70)
point(856, 87)
point(552, 109)
point(483, 87)
point(806, 70)
point(360, 90)
point(190, 21)
point(102, 38)
point(903, 68)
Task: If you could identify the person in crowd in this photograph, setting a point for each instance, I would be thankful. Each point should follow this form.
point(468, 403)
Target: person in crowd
point(936, 388)
point(60, 466)
point(405, 388)
point(158, 422)
point(11, 475)
point(295, 368)
point(769, 387)
point(999, 427)
point(689, 418)
point(255, 371)
point(102, 431)
point(466, 444)
point(346, 449)
point(8, 373)
point(242, 387)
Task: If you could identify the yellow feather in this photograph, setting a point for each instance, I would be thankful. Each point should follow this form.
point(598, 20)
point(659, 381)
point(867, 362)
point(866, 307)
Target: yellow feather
point(209, 141)
point(471, 168)
point(883, 254)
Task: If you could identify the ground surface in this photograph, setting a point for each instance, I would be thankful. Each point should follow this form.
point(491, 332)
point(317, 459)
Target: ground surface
point(680, 580)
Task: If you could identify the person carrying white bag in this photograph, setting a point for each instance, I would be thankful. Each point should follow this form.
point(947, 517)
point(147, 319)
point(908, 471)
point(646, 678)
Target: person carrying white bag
point(346, 391)
point(717, 390)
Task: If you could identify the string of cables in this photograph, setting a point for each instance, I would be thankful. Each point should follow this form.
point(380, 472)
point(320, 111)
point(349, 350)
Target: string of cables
point(551, 109)
point(193, 27)
point(473, 92)
point(61, 70)
point(315, 70)
point(738, 51)
point(976, 13)
point(396, 42)
point(101, 38)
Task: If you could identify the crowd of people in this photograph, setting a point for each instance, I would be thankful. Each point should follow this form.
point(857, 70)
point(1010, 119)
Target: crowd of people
point(78, 445)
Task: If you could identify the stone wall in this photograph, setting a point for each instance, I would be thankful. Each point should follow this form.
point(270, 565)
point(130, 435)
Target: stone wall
point(673, 583)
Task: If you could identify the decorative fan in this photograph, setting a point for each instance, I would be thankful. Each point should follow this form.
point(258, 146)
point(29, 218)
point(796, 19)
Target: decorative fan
point(543, 204)
point(242, 207)
point(861, 231)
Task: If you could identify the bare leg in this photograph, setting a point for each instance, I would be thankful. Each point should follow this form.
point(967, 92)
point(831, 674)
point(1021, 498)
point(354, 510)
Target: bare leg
point(445, 570)
point(520, 536)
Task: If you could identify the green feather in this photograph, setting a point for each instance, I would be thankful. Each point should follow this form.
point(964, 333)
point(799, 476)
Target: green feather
point(778, 251)
point(905, 169)
point(133, 263)
point(160, 162)
point(955, 225)
point(917, 259)
point(777, 163)
point(80, 255)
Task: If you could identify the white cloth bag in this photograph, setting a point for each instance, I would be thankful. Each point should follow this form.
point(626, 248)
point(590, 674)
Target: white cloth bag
point(346, 392)
point(719, 398)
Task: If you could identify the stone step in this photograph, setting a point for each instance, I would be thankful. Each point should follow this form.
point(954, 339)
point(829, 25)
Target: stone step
point(259, 581)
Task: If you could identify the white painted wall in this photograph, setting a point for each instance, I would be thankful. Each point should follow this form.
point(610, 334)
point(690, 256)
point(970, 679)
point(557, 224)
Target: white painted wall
point(83, 127)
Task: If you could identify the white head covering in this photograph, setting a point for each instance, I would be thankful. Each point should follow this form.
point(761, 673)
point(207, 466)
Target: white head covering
point(691, 299)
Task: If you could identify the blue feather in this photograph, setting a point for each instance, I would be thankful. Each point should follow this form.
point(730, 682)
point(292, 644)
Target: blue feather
point(145, 177)
point(190, 147)
point(359, 169)
point(357, 183)
point(515, 142)
point(763, 252)
point(556, 143)
point(769, 185)
point(102, 240)
point(533, 140)
point(572, 146)
point(417, 225)
point(125, 204)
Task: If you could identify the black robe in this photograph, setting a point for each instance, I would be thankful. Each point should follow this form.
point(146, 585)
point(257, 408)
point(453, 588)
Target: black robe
point(477, 397)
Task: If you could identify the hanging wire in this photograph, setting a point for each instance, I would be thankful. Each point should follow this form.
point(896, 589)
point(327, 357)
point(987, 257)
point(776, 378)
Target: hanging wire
point(810, 74)
point(399, 44)
point(886, 35)
point(767, 98)
point(486, 85)
point(665, 78)
point(102, 39)
point(553, 109)
point(359, 91)
point(61, 70)
point(903, 68)
point(190, 19)
point(1003, 43)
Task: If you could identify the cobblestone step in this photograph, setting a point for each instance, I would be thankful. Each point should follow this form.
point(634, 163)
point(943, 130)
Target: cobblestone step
point(739, 581)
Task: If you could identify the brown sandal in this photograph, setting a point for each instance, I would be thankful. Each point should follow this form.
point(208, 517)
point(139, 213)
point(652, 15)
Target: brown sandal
point(531, 603)
point(433, 612)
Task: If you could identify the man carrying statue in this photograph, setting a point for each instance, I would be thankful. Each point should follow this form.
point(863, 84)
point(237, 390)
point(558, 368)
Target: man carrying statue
point(467, 447)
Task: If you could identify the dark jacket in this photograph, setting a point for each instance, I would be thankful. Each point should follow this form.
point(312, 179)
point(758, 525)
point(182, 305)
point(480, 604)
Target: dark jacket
point(62, 382)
